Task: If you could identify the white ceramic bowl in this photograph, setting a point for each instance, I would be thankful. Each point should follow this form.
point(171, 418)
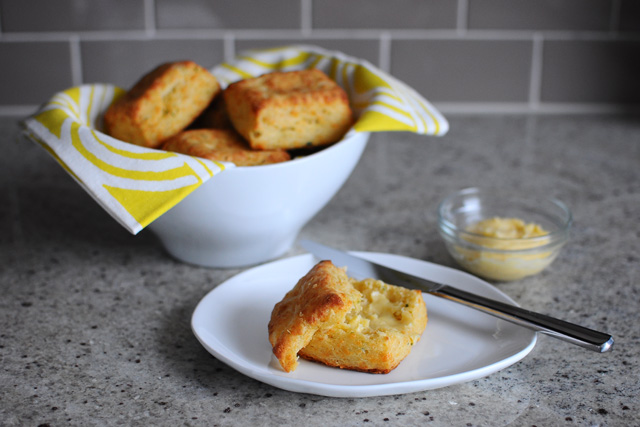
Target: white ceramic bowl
point(248, 215)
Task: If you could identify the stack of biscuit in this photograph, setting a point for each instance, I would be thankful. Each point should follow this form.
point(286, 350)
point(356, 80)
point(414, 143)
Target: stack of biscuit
point(328, 317)
point(180, 107)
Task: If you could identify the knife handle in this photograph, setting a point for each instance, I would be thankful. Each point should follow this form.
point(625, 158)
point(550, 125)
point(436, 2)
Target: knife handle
point(575, 334)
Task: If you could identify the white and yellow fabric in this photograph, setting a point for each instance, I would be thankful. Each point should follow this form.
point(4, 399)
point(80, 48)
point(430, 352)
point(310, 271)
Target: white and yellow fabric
point(136, 184)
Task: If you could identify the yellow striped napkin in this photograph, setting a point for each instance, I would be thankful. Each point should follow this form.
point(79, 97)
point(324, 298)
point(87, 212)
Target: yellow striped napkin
point(136, 185)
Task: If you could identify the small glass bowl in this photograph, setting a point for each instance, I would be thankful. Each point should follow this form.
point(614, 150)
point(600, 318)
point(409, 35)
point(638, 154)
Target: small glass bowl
point(502, 259)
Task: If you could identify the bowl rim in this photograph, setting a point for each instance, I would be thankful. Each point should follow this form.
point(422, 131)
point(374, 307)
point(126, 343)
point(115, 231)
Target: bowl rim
point(554, 238)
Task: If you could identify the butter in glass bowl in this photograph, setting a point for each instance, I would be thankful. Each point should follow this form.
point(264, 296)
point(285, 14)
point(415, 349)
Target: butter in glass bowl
point(503, 235)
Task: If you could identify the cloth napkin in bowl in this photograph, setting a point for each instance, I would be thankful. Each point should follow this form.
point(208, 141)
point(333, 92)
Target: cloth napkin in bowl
point(136, 185)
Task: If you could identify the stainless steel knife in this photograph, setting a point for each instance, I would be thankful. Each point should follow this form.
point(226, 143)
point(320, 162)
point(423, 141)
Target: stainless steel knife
point(575, 334)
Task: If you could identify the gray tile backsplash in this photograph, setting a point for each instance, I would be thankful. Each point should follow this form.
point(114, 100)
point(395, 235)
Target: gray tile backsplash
point(464, 55)
point(33, 71)
point(384, 14)
point(558, 15)
point(612, 78)
point(367, 49)
point(120, 63)
point(228, 14)
point(71, 15)
point(465, 70)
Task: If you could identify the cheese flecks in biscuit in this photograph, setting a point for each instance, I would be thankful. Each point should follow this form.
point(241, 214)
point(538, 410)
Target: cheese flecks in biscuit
point(375, 335)
point(161, 104)
point(323, 297)
point(222, 145)
point(289, 110)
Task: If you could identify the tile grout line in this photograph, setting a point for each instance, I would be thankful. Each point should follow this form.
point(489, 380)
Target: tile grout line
point(17, 110)
point(306, 18)
point(452, 34)
point(492, 108)
point(384, 52)
point(535, 83)
point(229, 46)
point(76, 61)
point(150, 17)
point(462, 17)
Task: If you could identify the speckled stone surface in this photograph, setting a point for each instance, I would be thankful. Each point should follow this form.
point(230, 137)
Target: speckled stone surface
point(95, 322)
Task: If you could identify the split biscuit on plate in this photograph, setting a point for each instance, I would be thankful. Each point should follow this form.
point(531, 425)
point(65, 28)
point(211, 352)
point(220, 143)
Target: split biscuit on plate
point(363, 325)
point(322, 298)
point(289, 110)
point(161, 104)
point(222, 145)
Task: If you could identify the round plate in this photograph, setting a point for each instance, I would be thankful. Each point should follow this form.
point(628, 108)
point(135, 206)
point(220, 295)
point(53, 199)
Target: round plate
point(459, 344)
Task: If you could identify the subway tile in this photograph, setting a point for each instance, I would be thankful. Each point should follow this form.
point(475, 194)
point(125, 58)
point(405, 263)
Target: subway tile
point(465, 70)
point(71, 15)
point(228, 14)
point(32, 72)
point(123, 62)
point(367, 49)
point(567, 15)
point(384, 14)
point(591, 71)
point(630, 16)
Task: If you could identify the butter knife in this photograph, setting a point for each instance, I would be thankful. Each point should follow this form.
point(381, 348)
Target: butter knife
point(572, 333)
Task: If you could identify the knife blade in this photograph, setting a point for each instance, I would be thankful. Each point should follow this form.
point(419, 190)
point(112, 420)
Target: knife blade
point(566, 331)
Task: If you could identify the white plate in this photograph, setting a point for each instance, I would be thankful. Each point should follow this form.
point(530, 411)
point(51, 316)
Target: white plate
point(459, 344)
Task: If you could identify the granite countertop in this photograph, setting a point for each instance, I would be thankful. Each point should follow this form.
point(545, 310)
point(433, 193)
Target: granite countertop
point(95, 322)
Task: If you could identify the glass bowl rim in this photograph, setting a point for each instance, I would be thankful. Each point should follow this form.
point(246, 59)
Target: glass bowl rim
point(554, 238)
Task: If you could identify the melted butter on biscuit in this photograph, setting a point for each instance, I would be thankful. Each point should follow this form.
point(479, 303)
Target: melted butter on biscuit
point(380, 308)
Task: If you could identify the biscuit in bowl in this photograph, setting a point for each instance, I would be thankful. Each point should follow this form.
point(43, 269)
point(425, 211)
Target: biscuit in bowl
point(161, 104)
point(375, 333)
point(222, 145)
point(215, 116)
point(289, 110)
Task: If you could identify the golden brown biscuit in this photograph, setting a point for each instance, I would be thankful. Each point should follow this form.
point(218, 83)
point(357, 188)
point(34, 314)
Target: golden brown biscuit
point(215, 116)
point(164, 102)
point(366, 325)
point(222, 145)
point(289, 110)
point(322, 298)
point(376, 336)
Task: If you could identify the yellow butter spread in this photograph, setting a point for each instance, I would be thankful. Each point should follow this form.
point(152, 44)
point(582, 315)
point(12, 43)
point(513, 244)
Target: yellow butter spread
point(381, 308)
point(505, 234)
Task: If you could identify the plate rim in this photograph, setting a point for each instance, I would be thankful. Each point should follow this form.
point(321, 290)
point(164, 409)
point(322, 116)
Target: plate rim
point(299, 385)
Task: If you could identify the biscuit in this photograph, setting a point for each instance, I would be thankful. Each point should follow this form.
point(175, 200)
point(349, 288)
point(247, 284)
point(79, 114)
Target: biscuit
point(376, 336)
point(222, 145)
point(215, 116)
point(322, 298)
point(289, 110)
point(372, 330)
point(161, 104)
